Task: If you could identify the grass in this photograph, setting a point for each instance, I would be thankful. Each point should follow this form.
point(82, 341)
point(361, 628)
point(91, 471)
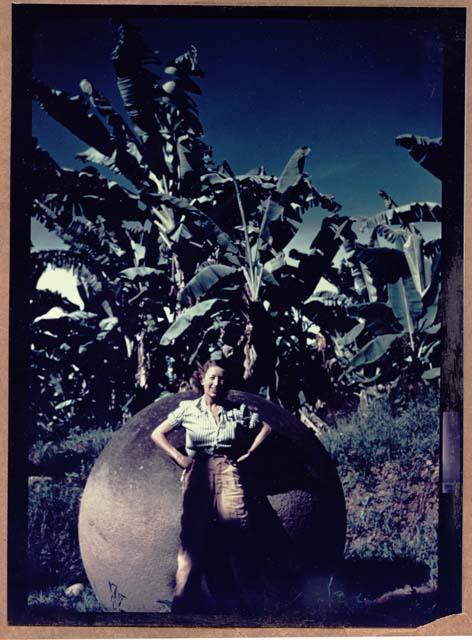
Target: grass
point(53, 507)
point(53, 546)
point(56, 598)
point(77, 451)
point(389, 468)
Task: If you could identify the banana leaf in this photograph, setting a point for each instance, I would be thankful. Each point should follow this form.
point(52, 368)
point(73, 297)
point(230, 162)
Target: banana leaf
point(352, 335)
point(185, 64)
point(388, 201)
point(138, 273)
point(119, 161)
point(312, 265)
point(413, 250)
point(107, 324)
point(187, 319)
point(198, 220)
point(293, 169)
point(268, 278)
point(373, 350)
point(405, 214)
point(432, 248)
point(384, 265)
point(364, 282)
point(428, 152)
point(432, 291)
point(137, 85)
point(103, 106)
point(141, 94)
point(184, 156)
point(330, 299)
point(57, 258)
point(417, 212)
point(378, 316)
point(180, 86)
point(126, 158)
point(74, 114)
point(431, 374)
point(289, 178)
point(389, 233)
point(204, 280)
point(276, 262)
point(43, 299)
point(406, 304)
point(135, 228)
point(433, 329)
point(60, 317)
point(426, 350)
point(56, 188)
point(324, 201)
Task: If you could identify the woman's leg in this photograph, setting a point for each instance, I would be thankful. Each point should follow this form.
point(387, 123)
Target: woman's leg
point(188, 595)
point(232, 511)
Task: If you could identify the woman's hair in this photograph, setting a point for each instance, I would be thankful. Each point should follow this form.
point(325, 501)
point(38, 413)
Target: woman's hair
point(196, 380)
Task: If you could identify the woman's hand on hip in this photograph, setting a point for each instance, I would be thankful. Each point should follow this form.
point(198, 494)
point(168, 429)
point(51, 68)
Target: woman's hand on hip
point(184, 461)
point(243, 457)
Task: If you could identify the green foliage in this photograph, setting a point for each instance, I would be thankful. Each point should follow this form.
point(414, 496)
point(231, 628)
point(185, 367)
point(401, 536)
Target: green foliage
point(75, 451)
point(143, 256)
point(427, 151)
point(389, 468)
point(192, 260)
point(377, 435)
point(65, 455)
point(388, 297)
point(54, 597)
point(54, 501)
point(185, 321)
point(53, 547)
point(372, 351)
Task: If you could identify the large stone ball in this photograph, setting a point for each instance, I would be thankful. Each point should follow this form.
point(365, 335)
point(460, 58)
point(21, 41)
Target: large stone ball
point(129, 521)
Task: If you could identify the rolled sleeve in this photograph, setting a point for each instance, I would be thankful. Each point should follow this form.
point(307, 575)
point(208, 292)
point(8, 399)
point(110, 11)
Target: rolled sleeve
point(176, 417)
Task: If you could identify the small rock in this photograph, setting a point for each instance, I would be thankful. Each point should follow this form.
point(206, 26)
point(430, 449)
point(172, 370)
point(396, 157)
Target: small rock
point(163, 606)
point(74, 590)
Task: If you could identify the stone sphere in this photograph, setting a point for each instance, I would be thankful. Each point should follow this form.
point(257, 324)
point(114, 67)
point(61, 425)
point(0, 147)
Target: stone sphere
point(129, 520)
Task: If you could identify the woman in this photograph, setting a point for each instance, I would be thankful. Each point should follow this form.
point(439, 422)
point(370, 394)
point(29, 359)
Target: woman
point(219, 437)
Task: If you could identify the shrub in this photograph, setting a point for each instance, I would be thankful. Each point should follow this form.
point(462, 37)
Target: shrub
point(389, 467)
point(378, 435)
point(76, 452)
point(54, 597)
point(53, 547)
point(53, 504)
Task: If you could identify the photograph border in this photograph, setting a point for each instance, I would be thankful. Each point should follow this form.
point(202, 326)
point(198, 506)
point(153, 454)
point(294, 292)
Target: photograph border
point(455, 393)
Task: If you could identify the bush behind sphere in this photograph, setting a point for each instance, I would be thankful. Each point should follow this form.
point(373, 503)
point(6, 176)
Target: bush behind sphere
point(389, 468)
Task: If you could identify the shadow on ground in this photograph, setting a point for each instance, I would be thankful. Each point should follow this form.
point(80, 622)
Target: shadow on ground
point(363, 593)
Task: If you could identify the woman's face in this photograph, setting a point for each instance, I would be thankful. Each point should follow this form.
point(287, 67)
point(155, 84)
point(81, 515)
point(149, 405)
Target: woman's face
point(214, 382)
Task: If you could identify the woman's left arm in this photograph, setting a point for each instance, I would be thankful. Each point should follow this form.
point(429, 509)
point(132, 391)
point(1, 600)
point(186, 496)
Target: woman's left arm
point(258, 440)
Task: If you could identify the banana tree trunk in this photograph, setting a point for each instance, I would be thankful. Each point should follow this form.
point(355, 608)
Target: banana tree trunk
point(142, 370)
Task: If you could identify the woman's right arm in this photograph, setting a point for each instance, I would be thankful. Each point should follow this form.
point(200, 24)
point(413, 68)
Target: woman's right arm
point(158, 436)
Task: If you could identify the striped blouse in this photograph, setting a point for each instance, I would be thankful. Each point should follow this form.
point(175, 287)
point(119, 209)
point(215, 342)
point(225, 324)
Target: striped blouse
point(203, 433)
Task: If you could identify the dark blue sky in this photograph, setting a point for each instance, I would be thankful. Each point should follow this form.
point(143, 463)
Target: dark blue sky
point(343, 87)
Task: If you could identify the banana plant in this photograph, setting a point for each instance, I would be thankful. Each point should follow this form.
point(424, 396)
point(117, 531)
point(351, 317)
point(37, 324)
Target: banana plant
point(368, 333)
point(152, 250)
point(181, 259)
